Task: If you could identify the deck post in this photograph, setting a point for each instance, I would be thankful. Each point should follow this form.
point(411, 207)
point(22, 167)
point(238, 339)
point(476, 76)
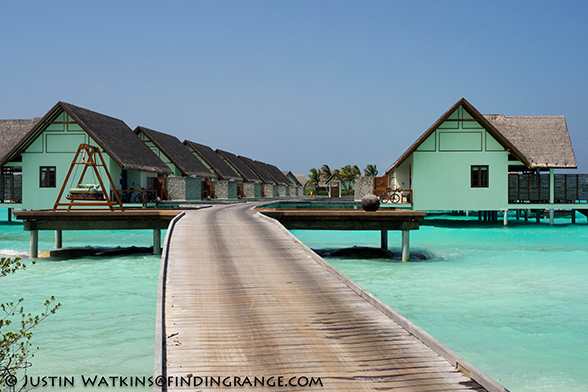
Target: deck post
point(527, 213)
point(505, 217)
point(10, 215)
point(518, 214)
point(384, 239)
point(538, 216)
point(34, 243)
point(551, 186)
point(156, 241)
point(58, 239)
point(551, 216)
point(405, 245)
point(573, 216)
point(479, 215)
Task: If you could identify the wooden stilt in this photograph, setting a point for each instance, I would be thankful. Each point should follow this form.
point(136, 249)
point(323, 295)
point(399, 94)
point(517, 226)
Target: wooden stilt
point(156, 241)
point(405, 245)
point(527, 213)
point(506, 218)
point(551, 216)
point(10, 215)
point(34, 243)
point(518, 214)
point(573, 216)
point(58, 239)
point(384, 239)
point(538, 215)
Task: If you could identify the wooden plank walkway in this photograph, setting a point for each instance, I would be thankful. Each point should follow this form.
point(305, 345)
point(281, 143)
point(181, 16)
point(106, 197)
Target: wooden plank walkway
point(244, 298)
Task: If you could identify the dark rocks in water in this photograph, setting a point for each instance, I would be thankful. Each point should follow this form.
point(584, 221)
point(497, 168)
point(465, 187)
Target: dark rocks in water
point(98, 251)
point(366, 252)
point(370, 203)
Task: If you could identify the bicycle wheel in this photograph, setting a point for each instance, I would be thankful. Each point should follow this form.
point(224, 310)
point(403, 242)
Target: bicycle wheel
point(395, 198)
point(138, 198)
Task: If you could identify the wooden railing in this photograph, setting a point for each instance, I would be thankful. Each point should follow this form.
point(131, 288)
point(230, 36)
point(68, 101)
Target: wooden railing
point(533, 188)
point(142, 196)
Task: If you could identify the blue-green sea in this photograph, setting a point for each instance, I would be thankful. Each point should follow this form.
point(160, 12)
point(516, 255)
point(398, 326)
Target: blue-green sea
point(512, 301)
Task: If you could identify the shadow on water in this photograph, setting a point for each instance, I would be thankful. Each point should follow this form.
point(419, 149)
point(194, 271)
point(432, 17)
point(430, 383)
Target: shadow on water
point(93, 251)
point(368, 253)
point(463, 222)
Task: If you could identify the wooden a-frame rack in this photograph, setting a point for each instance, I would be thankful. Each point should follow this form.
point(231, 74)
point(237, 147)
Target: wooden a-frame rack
point(90, 156)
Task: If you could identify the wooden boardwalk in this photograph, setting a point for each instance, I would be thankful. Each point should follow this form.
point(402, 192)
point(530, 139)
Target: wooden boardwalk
point(243, 298)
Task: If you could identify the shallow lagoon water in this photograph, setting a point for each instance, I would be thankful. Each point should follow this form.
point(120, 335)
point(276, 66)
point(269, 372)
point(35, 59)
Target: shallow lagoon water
point(106, 325)
point(512, 301)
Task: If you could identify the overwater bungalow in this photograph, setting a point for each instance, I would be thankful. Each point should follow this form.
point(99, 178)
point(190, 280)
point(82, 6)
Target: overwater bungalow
point(334, 182)
point(12, 133)
point(225, 184)
point(281, 183)
point(469, 161)
point(188, 172)
point(45, 154)
point(269, 187)
point(298, 186)
point(252, 184)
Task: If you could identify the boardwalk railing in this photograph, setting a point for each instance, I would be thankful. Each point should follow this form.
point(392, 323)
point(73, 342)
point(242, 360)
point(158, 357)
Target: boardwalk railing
point(533, 188)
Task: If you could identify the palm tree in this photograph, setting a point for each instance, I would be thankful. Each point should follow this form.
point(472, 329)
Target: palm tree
point(326, 171)
point(347, 175)
point(370, 171)
point(314, 178)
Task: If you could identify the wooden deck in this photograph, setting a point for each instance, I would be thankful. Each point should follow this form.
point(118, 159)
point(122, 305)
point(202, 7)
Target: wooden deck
point(241, 297)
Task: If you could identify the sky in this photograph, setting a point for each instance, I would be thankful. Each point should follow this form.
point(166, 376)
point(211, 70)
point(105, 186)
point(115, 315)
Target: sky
point(298, 83)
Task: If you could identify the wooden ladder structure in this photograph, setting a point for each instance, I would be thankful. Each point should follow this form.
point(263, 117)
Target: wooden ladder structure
point(90, 156)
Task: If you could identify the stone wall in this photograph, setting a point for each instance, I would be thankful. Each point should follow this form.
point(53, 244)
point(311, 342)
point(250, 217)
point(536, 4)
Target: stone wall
point(225, 190)
point(364, 186)
point(251, 190)
point(183, 188)
point(283, 191)
point(270, 190)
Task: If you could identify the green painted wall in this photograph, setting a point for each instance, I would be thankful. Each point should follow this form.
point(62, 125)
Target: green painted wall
point(204, 163)
point(441, 168)
point(176, 172)
point(56, 146)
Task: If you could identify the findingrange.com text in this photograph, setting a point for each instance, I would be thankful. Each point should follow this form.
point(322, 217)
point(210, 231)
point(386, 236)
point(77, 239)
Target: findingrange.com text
point(188, 381)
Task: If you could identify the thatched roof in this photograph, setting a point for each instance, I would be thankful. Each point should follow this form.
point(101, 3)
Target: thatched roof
point(334, 176)
point(508, 145)
point(212, 159)
point(258, 170)
point(301, 179)
point(111, 134)
point(244, 170)
point(543, 140)
point(292, 177)
point(12, 132)
point(280, 175)
point(271, 173)
point(117, 139)
point(177, 153)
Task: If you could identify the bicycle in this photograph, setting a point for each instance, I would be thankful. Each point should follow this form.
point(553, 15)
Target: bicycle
point(390, 196)
point(150, 196)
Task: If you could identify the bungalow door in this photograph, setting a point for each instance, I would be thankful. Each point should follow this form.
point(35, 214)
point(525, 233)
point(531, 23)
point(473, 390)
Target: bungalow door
point(335, 190)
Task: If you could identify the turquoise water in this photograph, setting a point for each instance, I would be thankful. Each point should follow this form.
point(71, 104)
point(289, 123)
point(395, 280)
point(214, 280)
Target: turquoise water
point(106, 325)
point(512, 301)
